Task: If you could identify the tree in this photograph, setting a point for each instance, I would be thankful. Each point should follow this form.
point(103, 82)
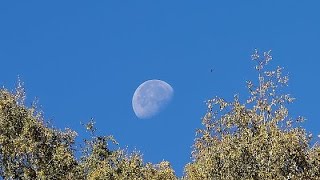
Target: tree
point(256, 139)
point(31, 149)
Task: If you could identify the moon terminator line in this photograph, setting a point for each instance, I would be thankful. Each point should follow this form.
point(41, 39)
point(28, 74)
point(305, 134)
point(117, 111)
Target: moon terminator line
point(151, 97)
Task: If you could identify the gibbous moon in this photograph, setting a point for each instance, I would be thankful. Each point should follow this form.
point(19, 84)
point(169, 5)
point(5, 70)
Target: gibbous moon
point(150, 98)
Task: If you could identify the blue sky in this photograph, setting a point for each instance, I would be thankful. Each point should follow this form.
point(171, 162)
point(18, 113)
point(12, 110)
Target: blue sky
point(85, 59)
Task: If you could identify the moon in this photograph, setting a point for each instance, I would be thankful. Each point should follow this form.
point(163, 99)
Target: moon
point(150, 98)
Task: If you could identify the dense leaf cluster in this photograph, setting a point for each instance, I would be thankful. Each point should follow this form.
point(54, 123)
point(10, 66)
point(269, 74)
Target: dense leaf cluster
point(254, 139)
point(31, 149)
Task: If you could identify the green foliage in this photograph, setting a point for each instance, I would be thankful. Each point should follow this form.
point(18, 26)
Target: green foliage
point(99, 162)
point(31, 149)
point(256, 139)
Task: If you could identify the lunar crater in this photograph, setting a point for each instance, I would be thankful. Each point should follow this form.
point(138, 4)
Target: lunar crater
point(150, 98)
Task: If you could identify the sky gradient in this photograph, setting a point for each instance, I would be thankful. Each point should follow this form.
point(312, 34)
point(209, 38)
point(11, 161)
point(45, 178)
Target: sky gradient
point(84, 60)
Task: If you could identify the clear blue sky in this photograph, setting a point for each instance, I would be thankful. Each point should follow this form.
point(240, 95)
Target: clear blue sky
point(85, 59)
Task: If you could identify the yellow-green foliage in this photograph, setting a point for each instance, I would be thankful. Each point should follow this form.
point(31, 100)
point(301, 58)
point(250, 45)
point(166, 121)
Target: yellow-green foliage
point(99, 162)
point(30, 149)
point(255, 139)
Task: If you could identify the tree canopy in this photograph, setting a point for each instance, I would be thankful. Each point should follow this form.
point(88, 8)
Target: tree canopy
point(253, 139)
point(31, 149)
